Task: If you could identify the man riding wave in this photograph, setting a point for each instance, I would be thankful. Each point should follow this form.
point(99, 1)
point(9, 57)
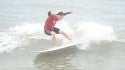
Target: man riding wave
point(51, 30)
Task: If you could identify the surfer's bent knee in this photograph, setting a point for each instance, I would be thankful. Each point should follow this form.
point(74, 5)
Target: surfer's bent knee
point(61, 32)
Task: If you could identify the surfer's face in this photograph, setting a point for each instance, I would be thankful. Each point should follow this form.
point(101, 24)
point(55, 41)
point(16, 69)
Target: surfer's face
point(60, 17)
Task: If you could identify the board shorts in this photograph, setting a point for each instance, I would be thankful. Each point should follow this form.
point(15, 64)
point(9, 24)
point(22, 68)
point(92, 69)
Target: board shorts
point(48, 32)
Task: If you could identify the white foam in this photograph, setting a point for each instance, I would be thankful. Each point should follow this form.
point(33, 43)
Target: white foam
point(17, 36)
point(92, 31)
point(84, 32)
point(10, 41)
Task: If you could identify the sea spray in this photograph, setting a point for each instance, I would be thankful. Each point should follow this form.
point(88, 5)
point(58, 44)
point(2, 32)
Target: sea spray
point(83, 32)
point(87, 32)
point(18, 36)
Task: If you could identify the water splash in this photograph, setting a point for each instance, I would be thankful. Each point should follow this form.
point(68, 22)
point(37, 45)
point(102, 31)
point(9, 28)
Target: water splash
point(84, 32)
point(18, 36)
point(87, 32)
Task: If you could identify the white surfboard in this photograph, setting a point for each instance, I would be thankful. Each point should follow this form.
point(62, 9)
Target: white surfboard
point(59, 48)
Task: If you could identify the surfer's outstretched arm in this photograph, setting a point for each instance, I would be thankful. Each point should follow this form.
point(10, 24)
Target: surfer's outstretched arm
point(66, 13)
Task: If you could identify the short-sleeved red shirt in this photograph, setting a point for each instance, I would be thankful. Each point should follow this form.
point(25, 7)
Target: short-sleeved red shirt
point(50, 22)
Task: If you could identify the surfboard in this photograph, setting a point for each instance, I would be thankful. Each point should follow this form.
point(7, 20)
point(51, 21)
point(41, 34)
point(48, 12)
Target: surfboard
point(72, 45)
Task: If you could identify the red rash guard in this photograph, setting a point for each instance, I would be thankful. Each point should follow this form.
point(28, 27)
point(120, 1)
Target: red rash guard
point(50, 22)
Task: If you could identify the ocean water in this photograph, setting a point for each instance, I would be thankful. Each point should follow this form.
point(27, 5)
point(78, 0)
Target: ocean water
point(98, 25)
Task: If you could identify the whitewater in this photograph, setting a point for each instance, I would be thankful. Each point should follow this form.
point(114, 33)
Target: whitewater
point(84, 32)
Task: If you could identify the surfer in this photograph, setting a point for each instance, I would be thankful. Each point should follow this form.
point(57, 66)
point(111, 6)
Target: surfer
point(51, 30)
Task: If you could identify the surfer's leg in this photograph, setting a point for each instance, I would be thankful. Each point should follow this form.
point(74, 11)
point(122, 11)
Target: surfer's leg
point(64, 34)
point(54, 38)
point(58, 31)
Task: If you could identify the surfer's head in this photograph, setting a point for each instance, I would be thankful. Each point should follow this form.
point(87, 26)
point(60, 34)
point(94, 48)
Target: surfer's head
point(60, 15)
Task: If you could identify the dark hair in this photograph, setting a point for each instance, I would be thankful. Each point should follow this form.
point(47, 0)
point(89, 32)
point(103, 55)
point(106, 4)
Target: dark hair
point(60, 13)
point(49, 13)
